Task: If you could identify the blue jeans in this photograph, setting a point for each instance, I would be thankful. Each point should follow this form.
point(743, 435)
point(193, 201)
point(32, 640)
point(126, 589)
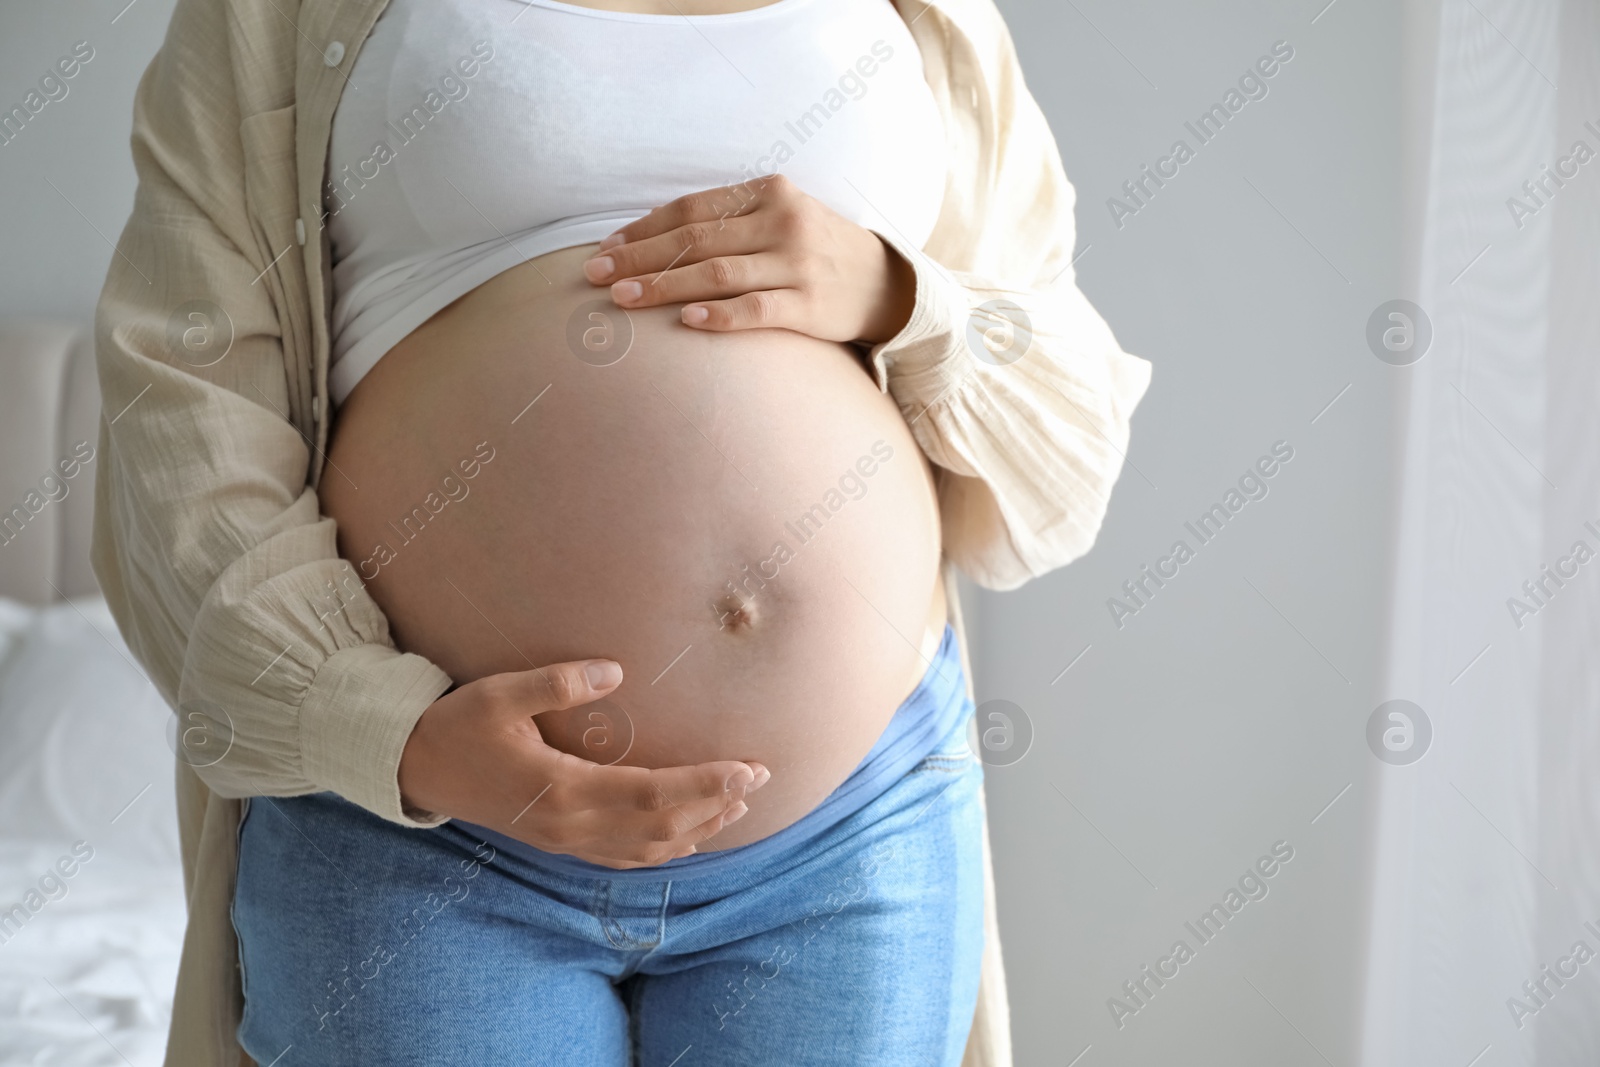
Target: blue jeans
point(365, 942)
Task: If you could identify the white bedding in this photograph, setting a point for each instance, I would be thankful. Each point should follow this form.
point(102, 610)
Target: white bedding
point(91, 892)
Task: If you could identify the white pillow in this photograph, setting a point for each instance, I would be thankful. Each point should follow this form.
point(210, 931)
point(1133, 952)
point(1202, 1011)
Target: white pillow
point(83, 734)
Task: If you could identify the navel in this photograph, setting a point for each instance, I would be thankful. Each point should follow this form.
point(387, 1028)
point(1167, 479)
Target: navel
point(734, 613)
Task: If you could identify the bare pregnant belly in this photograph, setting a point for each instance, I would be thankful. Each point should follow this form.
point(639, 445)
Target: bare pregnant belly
point(741, 520)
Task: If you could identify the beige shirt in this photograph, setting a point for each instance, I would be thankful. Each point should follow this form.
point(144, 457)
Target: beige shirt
point(224, 576)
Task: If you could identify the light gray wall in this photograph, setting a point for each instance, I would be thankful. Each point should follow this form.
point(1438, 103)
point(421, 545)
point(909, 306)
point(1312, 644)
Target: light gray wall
point(1231, 709)
point(56, 243)
point(1210, 725)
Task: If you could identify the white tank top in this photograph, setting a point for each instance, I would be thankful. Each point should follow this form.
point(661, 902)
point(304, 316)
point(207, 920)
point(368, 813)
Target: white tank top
point(477, 134)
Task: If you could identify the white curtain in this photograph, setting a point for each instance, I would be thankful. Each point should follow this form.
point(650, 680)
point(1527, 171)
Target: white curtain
point(1486, 852)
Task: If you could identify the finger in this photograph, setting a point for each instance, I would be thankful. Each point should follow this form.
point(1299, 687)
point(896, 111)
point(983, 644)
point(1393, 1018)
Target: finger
point(647, 832)
point(702, 788)
point(771, 308)
point(723, 202)
point(700, 837)
point(614, 847)
point(558, 686)
point(690, 243)
point(661, 819)
point(712, 279)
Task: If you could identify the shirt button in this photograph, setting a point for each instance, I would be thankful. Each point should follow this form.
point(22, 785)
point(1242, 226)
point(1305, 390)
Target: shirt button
point(334, 55)
point(299, 231)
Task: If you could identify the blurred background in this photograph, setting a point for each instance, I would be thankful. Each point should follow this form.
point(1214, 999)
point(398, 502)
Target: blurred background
point(1346, 281)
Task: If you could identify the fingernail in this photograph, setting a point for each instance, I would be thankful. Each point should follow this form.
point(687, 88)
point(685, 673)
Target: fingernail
point(695, 314)
point(735, 813)
point(736, 780)
point(626, 290)
point(762, 777)
point(612, 241)
point(603, 673)
point(599, 268)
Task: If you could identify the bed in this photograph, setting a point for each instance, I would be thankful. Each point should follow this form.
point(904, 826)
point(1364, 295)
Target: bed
point(91, 892)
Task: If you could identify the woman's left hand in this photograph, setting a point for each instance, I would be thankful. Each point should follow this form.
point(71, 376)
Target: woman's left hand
point(759, 254)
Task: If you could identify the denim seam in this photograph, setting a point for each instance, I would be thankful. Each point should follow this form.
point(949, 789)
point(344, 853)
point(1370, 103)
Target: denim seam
point(600, 911)
point(943, 764)
point(661, 925)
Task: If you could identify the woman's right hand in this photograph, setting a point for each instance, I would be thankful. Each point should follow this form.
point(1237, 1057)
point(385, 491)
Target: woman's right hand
point(476, 754)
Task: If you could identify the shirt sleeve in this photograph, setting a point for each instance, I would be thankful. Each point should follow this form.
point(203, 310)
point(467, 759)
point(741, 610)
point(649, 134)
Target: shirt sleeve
point(1012, 384)
point(222, 574)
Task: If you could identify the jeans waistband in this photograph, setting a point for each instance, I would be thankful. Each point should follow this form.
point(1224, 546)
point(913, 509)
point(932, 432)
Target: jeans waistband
point(936, 708)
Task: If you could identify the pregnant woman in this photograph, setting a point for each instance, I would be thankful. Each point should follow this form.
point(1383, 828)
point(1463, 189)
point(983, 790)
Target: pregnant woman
point(544, 438)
